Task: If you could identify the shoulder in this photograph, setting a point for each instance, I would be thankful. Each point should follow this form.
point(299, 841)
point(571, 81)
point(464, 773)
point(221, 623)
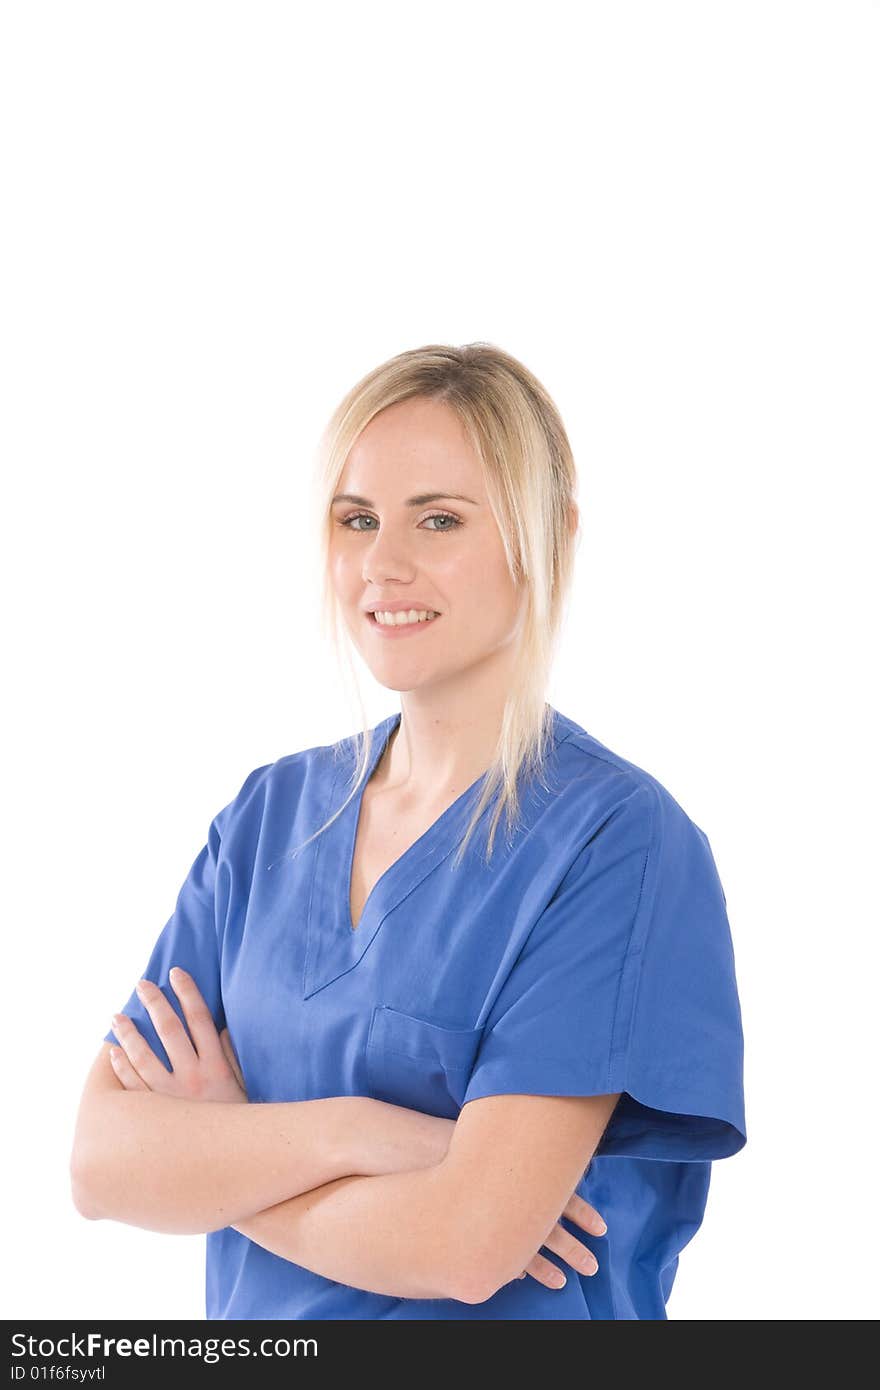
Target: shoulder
point(631, 827)
point(285, 780)
point(604, 788)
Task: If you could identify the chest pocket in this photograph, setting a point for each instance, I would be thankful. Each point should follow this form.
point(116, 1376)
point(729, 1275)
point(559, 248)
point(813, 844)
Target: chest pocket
point(414, 1062)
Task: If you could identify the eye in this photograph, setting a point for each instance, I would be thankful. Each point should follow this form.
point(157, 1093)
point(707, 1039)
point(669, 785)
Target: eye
point(445, 517)
point(355, 516)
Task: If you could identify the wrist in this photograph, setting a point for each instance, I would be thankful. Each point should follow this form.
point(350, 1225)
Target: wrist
point(395, 1139)
point(345, 1135)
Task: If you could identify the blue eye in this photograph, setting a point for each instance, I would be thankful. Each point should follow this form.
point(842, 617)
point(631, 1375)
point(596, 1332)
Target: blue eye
point(443, 516)
point(454, 521)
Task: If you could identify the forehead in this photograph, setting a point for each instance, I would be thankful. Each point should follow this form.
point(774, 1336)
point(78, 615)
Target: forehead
point(417, 444)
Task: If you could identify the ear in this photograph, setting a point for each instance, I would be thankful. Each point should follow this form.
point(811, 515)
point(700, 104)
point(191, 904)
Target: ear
point(573, 516)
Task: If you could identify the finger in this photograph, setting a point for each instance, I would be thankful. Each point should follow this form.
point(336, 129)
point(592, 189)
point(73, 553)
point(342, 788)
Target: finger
point(139, 1053)
point(572, 1251)
point(199, 1019)
point(172, 1033)
point(545, 1271)
point(125, 1072)
point(579, 1211)
point(229, 1052)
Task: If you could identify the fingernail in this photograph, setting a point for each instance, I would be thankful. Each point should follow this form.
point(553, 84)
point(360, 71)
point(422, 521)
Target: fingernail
point(602, 1229)
point(559, 1280)
point(175, 972)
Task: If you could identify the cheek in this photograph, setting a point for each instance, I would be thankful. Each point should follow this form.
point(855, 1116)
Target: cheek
point(345, 576)
point(472, 566)
point(482, 624)
point(489, 588)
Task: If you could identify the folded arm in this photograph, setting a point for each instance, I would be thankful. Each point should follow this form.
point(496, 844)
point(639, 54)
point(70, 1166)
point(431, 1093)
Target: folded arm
point(191, 1166)
point(461, 1228)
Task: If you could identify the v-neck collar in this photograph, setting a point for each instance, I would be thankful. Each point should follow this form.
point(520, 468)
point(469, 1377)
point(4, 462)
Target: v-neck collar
point(333, 946)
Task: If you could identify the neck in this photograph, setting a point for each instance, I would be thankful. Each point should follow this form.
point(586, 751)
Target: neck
point(445, 740)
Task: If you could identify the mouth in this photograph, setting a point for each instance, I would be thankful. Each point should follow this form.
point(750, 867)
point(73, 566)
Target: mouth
point(399, 629)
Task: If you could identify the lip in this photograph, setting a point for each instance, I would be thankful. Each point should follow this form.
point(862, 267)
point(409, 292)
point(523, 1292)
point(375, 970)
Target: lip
point(400, 605)
point(399, 630)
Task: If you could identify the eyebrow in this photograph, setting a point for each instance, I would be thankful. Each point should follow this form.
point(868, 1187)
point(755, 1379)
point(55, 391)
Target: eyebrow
point(419, 501)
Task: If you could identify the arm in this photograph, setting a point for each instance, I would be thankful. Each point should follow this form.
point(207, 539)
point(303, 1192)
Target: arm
point(460, 1228)
point(388, 1138)
point(189, 1166)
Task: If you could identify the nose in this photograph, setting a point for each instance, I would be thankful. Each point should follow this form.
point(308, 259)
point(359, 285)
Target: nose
point(386, 559)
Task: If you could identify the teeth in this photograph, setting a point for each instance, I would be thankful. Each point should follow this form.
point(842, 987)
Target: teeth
point(414, 615)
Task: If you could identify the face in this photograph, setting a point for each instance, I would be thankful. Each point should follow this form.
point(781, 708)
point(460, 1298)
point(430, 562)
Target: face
point(414, 531)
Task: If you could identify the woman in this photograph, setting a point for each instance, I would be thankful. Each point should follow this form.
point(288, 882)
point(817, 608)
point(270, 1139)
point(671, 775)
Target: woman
point(467, 1063)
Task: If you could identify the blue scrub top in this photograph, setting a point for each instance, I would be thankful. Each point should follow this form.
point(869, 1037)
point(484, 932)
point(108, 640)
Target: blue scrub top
point(592, 955)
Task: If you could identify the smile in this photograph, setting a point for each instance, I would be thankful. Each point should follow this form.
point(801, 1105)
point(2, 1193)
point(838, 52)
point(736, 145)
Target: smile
point(402, 624)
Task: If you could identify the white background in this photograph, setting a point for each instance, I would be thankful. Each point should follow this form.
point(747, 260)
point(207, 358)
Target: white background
point(217, 218)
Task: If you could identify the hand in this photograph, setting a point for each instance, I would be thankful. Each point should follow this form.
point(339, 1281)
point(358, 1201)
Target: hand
point(207, 1071)
point(563, 1243)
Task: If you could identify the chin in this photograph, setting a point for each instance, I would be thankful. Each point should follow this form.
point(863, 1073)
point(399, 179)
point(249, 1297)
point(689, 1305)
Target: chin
point(401, 684)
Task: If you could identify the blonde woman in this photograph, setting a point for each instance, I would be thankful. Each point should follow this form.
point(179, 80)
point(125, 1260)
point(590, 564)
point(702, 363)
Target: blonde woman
point(445, 1022)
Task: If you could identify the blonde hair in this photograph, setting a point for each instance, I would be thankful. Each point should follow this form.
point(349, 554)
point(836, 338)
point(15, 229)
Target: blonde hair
point(518, 435)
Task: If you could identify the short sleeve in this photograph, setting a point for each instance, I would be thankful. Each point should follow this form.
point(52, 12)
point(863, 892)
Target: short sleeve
point(627, 983)
point(189, 939)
